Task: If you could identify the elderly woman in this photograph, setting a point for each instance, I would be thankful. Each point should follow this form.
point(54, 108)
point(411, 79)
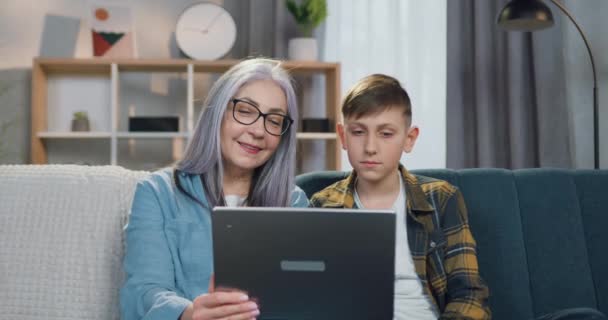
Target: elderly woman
point(242, 154)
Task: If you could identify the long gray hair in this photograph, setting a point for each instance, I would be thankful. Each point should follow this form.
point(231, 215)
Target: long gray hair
point(273, 182)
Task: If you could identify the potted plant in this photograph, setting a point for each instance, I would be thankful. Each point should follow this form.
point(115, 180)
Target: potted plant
point(308, 14)
point(80, 122)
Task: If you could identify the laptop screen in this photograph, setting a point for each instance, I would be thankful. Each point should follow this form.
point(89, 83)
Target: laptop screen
point(308, 263)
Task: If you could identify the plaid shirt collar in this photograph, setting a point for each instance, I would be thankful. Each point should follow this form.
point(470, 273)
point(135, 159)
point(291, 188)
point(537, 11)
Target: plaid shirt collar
point(416, 200)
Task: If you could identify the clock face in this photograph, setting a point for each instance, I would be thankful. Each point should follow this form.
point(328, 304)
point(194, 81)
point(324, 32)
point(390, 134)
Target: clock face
point(205, 31)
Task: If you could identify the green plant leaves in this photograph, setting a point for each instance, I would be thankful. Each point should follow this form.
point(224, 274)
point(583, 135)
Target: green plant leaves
point(80, 115)
point(309, 14)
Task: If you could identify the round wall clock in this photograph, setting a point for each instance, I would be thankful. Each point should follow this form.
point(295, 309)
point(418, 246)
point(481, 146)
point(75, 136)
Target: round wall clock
point(205, 31)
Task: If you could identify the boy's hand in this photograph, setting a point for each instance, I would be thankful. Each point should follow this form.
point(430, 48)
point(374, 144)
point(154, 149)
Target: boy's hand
point(221, 304)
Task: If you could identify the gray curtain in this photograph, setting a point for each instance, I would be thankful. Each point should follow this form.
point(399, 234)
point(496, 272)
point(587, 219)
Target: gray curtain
point(506, 103)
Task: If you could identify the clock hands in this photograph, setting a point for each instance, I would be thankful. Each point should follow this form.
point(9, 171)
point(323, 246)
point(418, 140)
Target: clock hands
point(209, 25)
point(213, 20)
point(197, 29)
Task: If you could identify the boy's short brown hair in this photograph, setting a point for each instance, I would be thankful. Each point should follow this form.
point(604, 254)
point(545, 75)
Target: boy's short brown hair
point(373, 94)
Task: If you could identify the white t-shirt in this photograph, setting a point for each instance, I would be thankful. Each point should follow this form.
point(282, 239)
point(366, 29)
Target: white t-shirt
point(410, 300)
point(233, 200)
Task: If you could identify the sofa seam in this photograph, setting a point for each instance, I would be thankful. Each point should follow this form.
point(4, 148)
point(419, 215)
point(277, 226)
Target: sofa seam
point(514, 184)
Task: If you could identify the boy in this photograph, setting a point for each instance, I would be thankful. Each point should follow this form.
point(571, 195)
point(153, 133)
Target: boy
point(436, 272)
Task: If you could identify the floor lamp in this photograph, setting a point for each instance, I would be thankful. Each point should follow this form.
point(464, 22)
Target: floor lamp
point(532, 15)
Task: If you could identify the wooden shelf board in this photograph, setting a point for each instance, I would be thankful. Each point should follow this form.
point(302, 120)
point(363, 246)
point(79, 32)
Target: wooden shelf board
point(103, 65)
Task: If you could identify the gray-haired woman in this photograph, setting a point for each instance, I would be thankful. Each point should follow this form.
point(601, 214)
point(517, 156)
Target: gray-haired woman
point(242, 153)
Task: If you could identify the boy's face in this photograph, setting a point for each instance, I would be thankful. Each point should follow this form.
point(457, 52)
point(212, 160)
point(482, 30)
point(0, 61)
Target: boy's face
point(375, 142)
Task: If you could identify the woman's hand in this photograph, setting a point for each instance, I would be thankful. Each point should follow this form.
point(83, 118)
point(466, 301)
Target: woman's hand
point(225, 306)
point(221, 305)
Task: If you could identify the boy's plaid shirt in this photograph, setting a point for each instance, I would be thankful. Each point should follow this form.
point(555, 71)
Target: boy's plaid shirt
point(441, 243)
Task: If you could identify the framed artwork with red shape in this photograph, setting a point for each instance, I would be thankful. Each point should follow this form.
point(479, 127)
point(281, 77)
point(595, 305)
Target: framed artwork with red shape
point(112, 31)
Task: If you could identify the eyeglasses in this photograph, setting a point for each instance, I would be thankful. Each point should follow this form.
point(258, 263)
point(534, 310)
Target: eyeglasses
point(244, 112)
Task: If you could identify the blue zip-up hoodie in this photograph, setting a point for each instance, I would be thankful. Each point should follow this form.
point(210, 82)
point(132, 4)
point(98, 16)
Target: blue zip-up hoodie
point(169, 254)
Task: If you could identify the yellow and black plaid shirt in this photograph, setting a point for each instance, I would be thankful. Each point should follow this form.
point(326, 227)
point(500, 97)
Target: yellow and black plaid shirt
point(440, 241)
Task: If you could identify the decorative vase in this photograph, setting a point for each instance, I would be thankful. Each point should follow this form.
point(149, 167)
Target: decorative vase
point(303, 49)
point(80, 125)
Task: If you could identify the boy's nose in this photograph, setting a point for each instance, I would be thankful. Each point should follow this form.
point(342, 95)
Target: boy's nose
point(370, 145)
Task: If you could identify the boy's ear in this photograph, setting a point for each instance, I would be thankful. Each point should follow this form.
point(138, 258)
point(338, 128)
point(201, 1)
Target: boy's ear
point(410, 141)
point(340, 131)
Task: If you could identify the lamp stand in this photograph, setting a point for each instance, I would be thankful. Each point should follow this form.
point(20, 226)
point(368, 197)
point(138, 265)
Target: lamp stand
point(596, 136)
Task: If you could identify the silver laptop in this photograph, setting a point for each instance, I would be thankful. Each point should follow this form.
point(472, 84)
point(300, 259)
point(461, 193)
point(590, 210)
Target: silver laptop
point(308, 263)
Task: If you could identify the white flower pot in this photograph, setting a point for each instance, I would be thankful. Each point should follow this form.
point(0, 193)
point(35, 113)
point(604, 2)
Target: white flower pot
point(303, 49)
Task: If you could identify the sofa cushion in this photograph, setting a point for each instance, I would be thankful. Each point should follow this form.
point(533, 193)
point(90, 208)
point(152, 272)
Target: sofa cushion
point(592, 188)
point(492, 203)
point(62, 240)
point(560, 274)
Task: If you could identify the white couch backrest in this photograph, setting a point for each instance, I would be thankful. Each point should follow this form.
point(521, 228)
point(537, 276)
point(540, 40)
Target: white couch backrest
point(61, 240)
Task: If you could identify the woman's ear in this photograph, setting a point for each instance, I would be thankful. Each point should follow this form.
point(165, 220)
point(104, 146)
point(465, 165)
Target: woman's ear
point(340, 131)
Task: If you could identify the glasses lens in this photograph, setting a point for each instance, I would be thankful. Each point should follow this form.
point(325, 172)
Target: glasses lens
point(245, 113)
point(276, 124)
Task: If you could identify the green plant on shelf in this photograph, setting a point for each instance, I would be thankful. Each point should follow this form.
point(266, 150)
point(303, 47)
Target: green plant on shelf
point(80, 115)
point(80, 121)
point(308, 14)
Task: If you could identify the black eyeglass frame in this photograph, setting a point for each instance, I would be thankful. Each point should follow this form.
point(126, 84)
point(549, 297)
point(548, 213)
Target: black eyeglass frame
point(286, 124)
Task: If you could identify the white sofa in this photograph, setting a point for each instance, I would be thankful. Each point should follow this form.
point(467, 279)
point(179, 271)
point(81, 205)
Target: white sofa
point(61, 240)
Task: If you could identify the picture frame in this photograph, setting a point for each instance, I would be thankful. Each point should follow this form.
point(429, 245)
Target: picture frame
point(112, 32)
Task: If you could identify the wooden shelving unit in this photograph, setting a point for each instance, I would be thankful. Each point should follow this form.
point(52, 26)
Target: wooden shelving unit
point(43, 68)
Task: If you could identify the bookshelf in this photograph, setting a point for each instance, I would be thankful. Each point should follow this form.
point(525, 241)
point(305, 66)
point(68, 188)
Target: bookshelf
point(109, 71)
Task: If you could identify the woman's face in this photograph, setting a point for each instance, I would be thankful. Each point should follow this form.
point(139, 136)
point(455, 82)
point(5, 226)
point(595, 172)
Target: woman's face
point(247, 147)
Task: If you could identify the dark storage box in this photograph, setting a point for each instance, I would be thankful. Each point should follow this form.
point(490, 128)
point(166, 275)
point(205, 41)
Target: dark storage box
point(164, 124)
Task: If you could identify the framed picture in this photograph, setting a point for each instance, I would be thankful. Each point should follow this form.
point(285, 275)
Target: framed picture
point(112, 31)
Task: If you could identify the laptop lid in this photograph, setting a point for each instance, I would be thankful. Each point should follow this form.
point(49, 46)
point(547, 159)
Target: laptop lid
point(308, 263)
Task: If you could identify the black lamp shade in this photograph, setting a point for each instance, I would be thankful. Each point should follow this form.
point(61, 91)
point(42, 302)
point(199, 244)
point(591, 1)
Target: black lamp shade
point(525, 15)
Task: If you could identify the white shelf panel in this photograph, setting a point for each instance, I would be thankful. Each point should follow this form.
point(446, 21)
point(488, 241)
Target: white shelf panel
point(74, 135)
point(152, 135)
point(316, 135)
